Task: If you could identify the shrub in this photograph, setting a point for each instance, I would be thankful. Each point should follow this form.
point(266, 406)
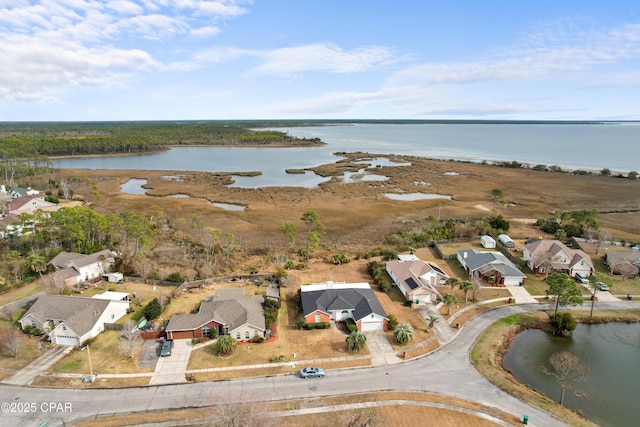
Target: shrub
point(351, 325)
point(318, 325)
point(32, 330)
point(564, 323)
point(175, 277)
point(195, 341)
point(152, 310)
point(393, 322)
point(300, 322)
point(257, 339)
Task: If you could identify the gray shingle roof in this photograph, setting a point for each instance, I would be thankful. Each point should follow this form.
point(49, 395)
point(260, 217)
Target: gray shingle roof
point(362, 301)
point(487, 260)
point(80, 314)
point(228, 312)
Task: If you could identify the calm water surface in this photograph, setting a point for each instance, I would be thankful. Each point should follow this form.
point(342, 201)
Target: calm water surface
point(612, 352)
point(614, 146)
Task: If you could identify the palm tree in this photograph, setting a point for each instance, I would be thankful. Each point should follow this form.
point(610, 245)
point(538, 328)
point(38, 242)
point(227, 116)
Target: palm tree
point(465, 286)
point(452, 281)
point(226, 344)
point(449, 300)
point(356, 341)
point(433, 319)
point(403, 334)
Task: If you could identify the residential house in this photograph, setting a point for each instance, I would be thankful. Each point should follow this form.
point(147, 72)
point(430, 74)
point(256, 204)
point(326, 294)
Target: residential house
point(623, 263)
point(31, 203)
point(491, 267)
point(18, 192)
point(417, 279)
point(74, 268)
point(229, 312)
point(553, 256)
point(324, 302)
point(72, 320)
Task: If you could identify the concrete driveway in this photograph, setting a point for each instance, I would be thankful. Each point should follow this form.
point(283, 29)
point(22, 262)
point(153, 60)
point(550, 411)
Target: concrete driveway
point(381, 351)
point(26, 375)
point(171, 369)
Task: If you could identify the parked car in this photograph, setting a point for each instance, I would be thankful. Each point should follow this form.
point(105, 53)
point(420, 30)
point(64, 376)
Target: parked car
point(602, 286)
point(581, 279)
point(166, 348)
point(311, 372)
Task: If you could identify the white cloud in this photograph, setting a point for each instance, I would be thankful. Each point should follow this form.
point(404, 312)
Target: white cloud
point(47, 45)
point(204, 32)
point(548, 56)
point(321, 57)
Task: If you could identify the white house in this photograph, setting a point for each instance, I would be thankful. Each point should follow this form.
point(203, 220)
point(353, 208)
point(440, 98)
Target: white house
point(72, 320)
point(417, 279)
point(75, 268)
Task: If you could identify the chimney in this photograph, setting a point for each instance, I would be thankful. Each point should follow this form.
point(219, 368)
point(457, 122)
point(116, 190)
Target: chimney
point(464, 255)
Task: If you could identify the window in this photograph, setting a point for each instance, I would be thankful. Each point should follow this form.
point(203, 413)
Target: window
point(206, 331)
point(33, 323)
point(113, 316)
point(238, 336)
point(64, 327)
point(247, 335)
point(543, 269)
point(226, 330)
point(255, 333)
point(317, 319)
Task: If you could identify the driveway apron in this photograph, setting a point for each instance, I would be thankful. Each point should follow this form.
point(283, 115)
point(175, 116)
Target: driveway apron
point(381, 351)
point(26, 375)
point(171, 369)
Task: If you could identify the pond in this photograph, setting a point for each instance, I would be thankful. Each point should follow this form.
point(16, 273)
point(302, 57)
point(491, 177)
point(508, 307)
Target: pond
point(611, 351)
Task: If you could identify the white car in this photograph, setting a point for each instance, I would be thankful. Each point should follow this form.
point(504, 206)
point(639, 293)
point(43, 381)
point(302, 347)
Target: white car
point(602, 286)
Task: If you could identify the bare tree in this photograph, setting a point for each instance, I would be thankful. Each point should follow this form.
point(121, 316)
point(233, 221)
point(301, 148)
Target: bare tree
point(10, 340)
point(65, 189)
point(597, 237)
point(568, 370)
point(130, 339)
point(8, 312)
point(53, 283)
point(163, 299)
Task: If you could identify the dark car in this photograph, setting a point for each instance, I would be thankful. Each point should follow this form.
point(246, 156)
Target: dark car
point(166, 348)
point(312, 372)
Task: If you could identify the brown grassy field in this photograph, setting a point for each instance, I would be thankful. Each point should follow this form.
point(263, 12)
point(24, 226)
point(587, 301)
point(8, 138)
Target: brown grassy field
point(358, 215)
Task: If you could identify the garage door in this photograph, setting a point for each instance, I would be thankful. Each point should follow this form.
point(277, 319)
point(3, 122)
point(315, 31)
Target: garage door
point(65, 340)
point(372, 325)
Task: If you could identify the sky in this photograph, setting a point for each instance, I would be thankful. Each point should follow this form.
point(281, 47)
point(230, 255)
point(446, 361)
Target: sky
point(97, 60)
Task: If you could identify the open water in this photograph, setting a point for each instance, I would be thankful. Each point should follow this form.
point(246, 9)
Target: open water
point(611, 351)
point(615, 146)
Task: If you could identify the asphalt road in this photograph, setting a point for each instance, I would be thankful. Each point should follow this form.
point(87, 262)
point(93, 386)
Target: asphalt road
point(447, 371)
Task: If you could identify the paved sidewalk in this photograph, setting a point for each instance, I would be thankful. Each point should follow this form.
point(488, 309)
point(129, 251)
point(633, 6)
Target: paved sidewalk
point(26, 375)
point(171, 369)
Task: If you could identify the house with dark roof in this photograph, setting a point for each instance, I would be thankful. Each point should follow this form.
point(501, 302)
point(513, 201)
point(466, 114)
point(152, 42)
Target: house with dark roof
point(491, 267)
point(417, 279)
point(625, 263)
point(72, 320)
point(553, 256)
point(229, 312)
point(74, 268)
point(324, 302)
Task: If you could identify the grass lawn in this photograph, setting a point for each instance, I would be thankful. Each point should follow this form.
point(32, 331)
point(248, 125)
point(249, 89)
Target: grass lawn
point(393, 415)
point(105, 358)
point(63, 382)
point(22, 292)
point(27, 352)
point(313, 344)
